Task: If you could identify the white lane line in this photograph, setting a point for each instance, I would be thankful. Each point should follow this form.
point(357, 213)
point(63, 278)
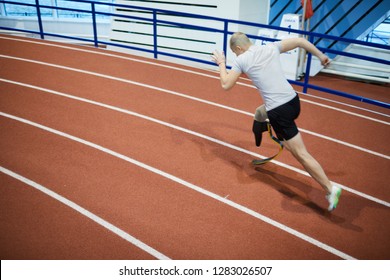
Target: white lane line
point(222, 143)
point(198, 100)
point(136, 242)
point(347, 112)
point(345, 144)
point(215, 76)
point(128, 82)
point(343, 104)
point(331, 101)
point(188, 185)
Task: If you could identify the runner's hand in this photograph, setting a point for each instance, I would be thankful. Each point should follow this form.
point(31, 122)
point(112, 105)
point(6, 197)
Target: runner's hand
point(324, 60)
point(218, 57)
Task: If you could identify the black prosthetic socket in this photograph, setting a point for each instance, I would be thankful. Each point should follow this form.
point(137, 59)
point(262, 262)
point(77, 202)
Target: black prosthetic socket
point(258, 129)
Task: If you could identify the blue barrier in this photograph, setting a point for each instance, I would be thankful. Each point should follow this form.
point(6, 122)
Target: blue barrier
point(225, 33)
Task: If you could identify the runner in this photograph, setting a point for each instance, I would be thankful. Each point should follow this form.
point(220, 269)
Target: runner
point(281, 103)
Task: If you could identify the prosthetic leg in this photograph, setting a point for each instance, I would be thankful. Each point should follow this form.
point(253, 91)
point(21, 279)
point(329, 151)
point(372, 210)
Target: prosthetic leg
point(261, 124)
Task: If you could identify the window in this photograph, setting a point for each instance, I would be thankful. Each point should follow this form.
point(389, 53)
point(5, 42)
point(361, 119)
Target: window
point(17, 10)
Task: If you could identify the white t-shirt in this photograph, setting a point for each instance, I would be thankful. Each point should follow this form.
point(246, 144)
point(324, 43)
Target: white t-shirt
point(262, 65)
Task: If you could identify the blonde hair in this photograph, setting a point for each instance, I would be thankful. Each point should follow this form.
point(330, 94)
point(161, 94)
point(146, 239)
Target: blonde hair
point(239, 39)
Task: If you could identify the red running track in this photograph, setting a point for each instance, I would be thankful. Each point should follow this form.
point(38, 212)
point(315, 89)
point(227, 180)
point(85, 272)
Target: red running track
point(111, 156)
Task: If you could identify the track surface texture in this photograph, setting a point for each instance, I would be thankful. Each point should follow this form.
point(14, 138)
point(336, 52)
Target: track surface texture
point(111, 156)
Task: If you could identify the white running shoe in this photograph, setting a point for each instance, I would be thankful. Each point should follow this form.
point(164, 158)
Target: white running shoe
point(333, 198)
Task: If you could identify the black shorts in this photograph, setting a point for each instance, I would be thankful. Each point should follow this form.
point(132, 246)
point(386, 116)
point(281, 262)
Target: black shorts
point(282, 119)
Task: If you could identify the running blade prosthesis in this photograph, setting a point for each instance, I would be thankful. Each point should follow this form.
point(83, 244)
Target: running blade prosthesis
point(258, 129)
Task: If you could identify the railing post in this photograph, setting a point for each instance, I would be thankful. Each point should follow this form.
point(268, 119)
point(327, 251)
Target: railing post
point(39, 19)
point(225, 36)
point(155, 50)
point(308, 64)
point(95, 38)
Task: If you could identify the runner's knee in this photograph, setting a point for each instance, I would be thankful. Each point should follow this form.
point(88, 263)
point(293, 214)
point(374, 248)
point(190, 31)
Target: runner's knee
point(261, 114)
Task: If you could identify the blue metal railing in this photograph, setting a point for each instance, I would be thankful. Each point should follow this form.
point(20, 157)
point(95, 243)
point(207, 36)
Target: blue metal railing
point(225, 32)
